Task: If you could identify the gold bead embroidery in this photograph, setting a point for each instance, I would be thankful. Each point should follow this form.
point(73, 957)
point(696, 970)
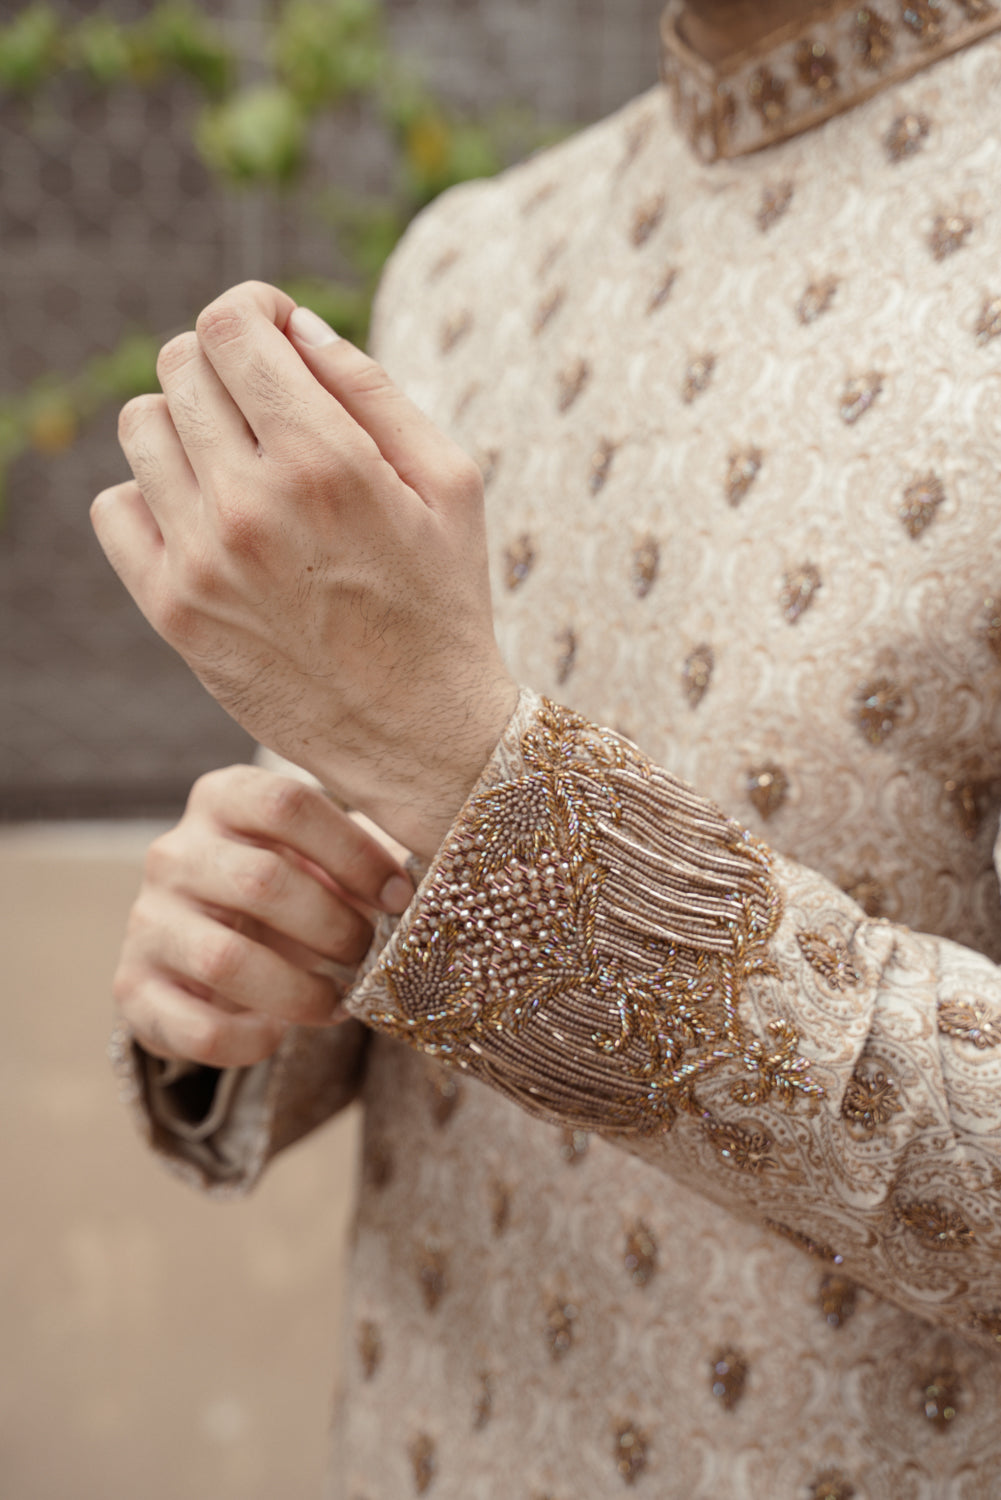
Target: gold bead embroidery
point(817, 299)
point(697, 674)
point(454, 329)
point(832, 1485)
point(940, 1398)
point(483, 1407)
point(467, 398)
point(446, 1091)
point(663, 289)
point(873, 38)
point(774, 205)
point(970, 1021)
point(697, 377)
point(746, 1150)
point(368, 1342)
point(636, 138)
point(422, 1462)
point(549, 259)
point(978, 10)
point(566, 657)
point(728, 1378)
point(969, 801)
point(641, 1255)
point(767, 787)
point(645, 565)
point(838, 1298)
point(444, 263)
point(921, 500)
point(500, 1207)
point(646, 219)
point(870, 1101)
point(574, 1146)
point(800, 586)
point(868, 892)
point(906, 136)
point(803, 1242)
point(829, 957)
point(935, 1225)
point(535, 200)
point(547, 309)
point(878, 707)
point(924, 18)
point(817, 68)
point(744, 468)
point(859, 395)
point(949, 233)
point(519, 559)
point(769, 95)
point(601, 464)
point(431, 1273)
point(987, 1323)
point(631, 1451)
point(570, 382)
point(989, 323)
point(559, 1328)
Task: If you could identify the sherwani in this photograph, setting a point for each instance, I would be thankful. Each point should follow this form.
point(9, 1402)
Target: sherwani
point(682, 1152)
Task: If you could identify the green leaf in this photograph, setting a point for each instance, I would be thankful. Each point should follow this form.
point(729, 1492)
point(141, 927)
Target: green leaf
point(29, 49)
point(324, 50)
point(257, 136)
point(100, 47)
point(186, 41)
point(128, 370)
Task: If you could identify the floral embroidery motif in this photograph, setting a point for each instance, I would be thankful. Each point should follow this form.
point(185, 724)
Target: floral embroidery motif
point(775, 203)
point(870, 1101)
point(566, 653)
point(743, 470)
point(878, 707)
point(832, 1485)
point(423, 1462)
point(728, 1378)
point(924, 18)
point(570, 382)
point(817, 68)
point(646, 219)
point(746, 1150)
point(697, 674)
point(859, 395)
point(641, 1255)
point(829, 957)
point(906, 136)
point(601, 465)
point(645, 565)
point(949, 233)
point(873, 39)
point(519, 560)
point(513, 941)
point(935, 1225)
point(369, 1345)
point(989, 322)
point(838, 1299)
point(547, 309)
point(630, 1452)
point(804, 1242)
point(817, 299)
point(483, 1407)
point(769, 95)
point(987, 1323)
point(662, 290)
point(800, 587)
point(431, 1273)
point(940, 1397)
point(698, 376)
point(559, 1328)
point(454, 329)
point(970, 1021)
point(921, 500)
point(767, 787)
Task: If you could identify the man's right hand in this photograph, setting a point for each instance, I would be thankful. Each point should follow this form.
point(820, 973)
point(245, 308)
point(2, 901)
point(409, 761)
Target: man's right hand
point(261, 883)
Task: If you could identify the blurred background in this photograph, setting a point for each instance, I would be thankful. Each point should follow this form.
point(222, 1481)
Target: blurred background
point(150, 155)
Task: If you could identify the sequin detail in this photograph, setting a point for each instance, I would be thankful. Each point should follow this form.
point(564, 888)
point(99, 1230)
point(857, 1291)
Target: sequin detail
point(697, 674)
point(431, 1273)
point(570, 382)
point(566, 653)
point(483, 1407)
point(560, 1321)
point(878, 709)
point(838, 1299)
point(859, 395)
point(987, 1324)
point(769, 95)
point(804, 1242)
point(601, 465)
point(663, 289)
point(817, 68)
point(831, 1485)
point(906, 136)
point(830, 958)
point(547, 309)
point(368, 1342)
point(645, 565)
point(767, 787)
point(728, 1378)
point(640, 1259)
point(935, 1225)
point(698, 377)
point(630, 1451)
point(746, 1150)
point(454, 329)
point(423, 1462)
point(970, 1021)
point(924, 18)
point(574, 1146)
point(940, 1398)
point(922, 499)
point(949, 233)
point(873, 38)
point(817, 299)
point(519, 560)
point(646, 219)
point(744, 468)
point(800, 586)
point(774, 205)
point(989, 322)
point(870, 1101)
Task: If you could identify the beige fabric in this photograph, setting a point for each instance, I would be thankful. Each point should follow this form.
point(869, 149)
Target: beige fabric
point(741, 427)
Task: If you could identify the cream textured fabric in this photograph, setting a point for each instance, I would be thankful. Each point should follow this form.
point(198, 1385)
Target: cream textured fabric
point(741, 430)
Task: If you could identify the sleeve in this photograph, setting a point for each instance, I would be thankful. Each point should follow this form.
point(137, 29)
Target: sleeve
point(601, 944)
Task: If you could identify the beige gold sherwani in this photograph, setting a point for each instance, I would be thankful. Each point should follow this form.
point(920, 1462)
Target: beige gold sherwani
point(682, 1162)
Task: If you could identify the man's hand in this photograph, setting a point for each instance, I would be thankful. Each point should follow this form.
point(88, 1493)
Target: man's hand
point(314, 548)
point(260, 885)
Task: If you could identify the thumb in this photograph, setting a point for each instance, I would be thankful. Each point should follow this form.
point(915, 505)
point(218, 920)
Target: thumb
point(419, 452)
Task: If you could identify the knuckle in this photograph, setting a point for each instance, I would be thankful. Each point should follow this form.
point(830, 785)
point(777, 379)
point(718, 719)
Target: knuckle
point(284, 802)
point(261, 879)
point(223, 320)
point(240, 529)
point(176, 354)
point(136, 413)
point(161, 859)
point(465, 480)
point(218, 959)
point(207, 1041)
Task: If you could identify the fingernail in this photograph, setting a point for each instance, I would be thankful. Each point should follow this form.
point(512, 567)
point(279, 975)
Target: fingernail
point(310, 329)
point(397, 894)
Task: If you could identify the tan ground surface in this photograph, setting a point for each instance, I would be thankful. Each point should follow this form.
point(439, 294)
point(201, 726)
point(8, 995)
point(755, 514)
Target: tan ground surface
point(155, 1346)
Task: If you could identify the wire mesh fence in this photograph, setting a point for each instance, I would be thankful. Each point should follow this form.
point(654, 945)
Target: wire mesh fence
point(111, 222)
